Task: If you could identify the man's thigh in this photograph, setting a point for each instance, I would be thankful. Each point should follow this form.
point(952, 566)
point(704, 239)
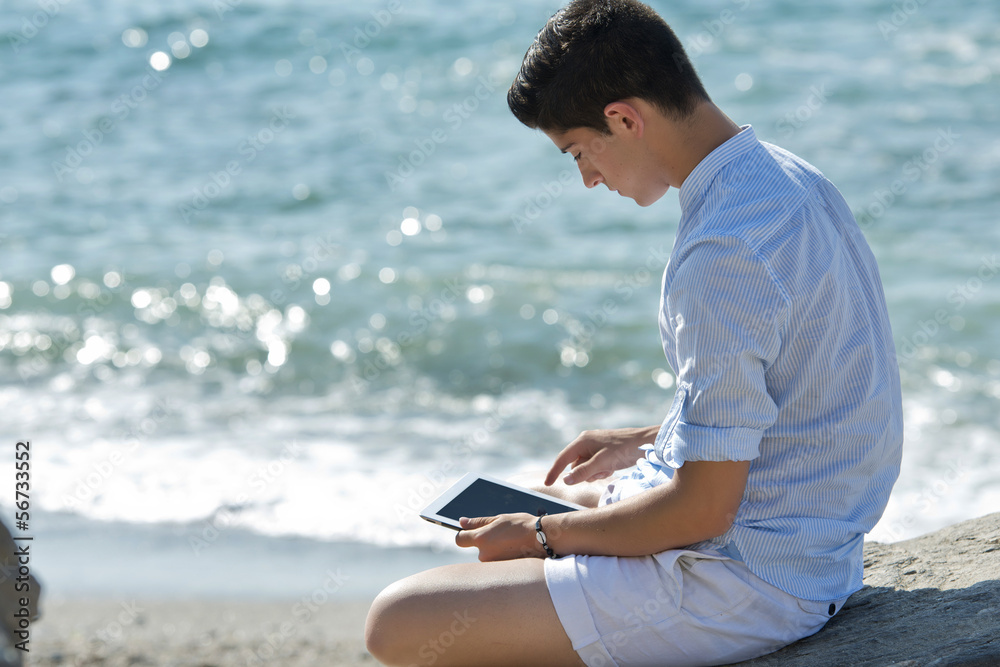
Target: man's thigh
point(583, 493)
point(497, 613)
point(679, 608)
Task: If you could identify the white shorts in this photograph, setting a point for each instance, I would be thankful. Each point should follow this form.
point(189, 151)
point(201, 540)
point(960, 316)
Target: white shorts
point(679, 607)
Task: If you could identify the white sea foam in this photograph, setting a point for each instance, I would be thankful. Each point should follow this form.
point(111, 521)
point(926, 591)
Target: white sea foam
point(159, 364)
point(300, 470)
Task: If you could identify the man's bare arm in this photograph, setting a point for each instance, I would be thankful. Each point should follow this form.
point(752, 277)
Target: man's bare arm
point(698, 503)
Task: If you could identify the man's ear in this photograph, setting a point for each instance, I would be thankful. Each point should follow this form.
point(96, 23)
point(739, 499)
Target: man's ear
point(622, 116)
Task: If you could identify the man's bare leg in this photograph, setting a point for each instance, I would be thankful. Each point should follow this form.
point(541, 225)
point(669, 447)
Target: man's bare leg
point(583, 493)
point(470, 614)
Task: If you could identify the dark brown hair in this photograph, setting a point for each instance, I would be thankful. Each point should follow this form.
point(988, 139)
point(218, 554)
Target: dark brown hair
point(595, 52)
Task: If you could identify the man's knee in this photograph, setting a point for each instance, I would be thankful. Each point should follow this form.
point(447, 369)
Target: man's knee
point(386, 629)
point(409, 624)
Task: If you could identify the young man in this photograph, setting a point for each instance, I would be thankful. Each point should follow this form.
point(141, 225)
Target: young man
point(739, 528)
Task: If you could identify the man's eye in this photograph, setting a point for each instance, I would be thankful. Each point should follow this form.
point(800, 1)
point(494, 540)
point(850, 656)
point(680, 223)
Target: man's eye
point(576, 158)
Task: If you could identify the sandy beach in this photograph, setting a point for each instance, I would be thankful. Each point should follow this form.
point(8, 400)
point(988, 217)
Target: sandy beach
point(199, 632)
point(896, 617)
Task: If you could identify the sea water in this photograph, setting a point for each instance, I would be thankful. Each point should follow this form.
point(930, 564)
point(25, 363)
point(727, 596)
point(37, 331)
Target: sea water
point(272, 275)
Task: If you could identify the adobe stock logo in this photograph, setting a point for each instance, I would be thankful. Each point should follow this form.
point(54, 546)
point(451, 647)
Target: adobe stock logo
point(912, 171)
point(455, 116)
point(218, 181)
point(901, 13)
point(958, 297)
point(38, 21)
point(363, 36)
point(793, 120)
point(120, 109)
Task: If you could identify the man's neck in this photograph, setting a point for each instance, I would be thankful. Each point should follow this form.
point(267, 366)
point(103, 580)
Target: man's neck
point(683, 144)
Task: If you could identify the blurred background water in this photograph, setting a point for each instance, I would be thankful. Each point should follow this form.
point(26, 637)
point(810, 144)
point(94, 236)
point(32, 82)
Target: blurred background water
point(273, 274)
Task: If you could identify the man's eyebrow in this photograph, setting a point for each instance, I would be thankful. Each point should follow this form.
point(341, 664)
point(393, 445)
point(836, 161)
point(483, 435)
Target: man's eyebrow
point(566, 147)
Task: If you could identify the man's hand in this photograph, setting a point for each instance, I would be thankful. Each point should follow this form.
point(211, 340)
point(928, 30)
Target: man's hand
point(502, 537)
point(596, 455)
point(699, 502)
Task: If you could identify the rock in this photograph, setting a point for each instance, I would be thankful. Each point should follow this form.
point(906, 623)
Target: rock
point(930, 601)
point(12, 592)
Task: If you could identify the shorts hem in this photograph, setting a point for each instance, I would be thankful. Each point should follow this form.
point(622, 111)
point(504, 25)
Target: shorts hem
point(573, 611)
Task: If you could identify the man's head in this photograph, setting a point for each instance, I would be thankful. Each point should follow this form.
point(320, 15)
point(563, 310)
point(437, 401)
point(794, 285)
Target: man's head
point(599, 79)
point(595, 52)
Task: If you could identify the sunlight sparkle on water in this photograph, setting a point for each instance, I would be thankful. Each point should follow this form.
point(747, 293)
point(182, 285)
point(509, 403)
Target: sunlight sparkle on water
point(62, 274)
point(159, 61)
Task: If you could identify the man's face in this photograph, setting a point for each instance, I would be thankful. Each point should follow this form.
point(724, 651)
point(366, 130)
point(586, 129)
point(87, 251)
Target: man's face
point(617, 160)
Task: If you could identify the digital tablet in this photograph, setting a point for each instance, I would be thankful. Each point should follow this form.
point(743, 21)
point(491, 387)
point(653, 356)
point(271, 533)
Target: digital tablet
point(479, 495)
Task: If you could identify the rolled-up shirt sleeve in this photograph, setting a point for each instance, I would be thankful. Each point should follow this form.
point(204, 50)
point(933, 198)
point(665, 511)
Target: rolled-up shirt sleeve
point(724, 310)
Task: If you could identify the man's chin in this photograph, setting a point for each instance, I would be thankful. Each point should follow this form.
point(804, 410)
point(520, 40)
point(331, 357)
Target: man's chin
point(649, 199)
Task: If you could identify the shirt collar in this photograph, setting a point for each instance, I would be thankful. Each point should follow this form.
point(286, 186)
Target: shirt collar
point(694, 186)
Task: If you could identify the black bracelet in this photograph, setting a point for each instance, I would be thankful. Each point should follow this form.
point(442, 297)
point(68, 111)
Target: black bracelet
point(542, 539)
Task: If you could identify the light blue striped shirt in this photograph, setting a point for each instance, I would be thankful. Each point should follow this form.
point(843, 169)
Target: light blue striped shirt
point(773, 318)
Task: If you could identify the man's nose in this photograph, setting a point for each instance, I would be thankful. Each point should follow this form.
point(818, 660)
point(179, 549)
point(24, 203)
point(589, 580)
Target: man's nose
point(591, 177)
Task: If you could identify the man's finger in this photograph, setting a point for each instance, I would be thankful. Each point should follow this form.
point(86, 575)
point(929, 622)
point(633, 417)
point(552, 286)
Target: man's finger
point(564, 458)
point(553, 474)
point(467, 534)
point(588, 471)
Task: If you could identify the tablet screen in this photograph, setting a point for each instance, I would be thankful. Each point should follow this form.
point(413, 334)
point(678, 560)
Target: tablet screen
point(486, 498)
